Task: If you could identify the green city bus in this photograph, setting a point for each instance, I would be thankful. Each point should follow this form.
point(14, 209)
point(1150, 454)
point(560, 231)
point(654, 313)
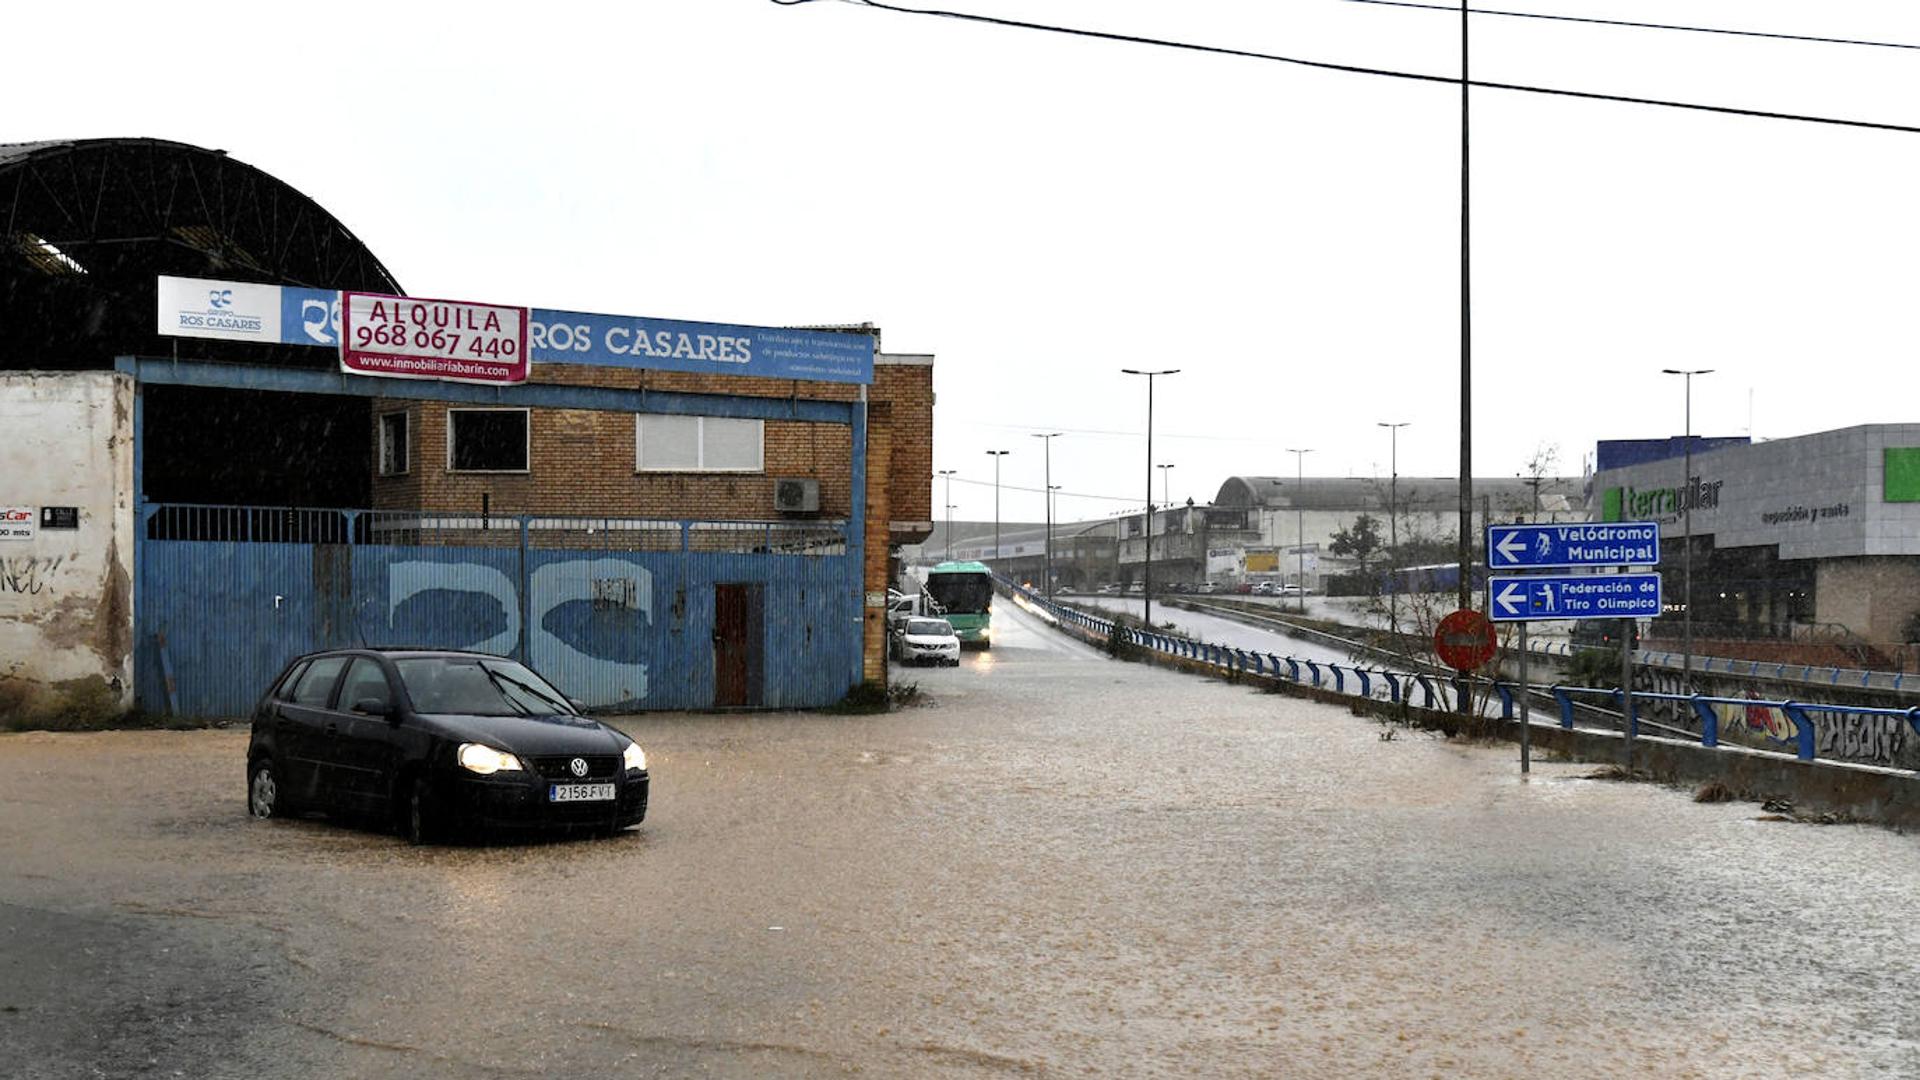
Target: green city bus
point(964, 591)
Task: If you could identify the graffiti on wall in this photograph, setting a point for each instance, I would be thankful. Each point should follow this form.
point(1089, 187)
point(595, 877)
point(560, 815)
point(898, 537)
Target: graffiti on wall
point(29, 575)
point(1879, 739)
point(1874, 740)
point(579, 612)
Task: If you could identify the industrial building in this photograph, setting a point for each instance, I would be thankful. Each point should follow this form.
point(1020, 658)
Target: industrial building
point(194, 488)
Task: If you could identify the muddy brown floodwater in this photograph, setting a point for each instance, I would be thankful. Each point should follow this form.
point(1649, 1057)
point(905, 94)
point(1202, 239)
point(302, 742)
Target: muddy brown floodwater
point(1059, 865)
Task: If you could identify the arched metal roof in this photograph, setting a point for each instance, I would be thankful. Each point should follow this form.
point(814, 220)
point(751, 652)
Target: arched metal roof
point(86, 226)
point(1424, 494)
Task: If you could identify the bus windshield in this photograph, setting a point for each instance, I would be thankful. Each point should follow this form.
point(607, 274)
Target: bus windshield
point(961, 594)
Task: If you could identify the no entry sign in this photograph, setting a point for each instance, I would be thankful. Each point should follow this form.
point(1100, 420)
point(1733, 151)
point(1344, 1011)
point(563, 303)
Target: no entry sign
point(406, 337)
point(1464, 640)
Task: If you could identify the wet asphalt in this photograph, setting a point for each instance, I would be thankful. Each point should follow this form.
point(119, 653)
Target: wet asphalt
point(1053, 864)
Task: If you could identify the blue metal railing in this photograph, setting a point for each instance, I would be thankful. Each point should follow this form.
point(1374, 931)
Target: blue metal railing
point(308, 525)
point(1433, 693)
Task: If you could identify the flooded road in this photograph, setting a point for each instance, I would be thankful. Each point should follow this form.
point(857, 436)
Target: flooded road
point(1058, 865)
point(1219, 630)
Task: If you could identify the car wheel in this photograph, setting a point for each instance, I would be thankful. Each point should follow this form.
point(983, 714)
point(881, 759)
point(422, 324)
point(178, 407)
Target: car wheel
point(422, 818)
point(266, 795)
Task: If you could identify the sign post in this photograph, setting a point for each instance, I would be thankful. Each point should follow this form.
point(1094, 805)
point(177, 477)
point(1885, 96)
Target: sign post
point(1526, 708)
point(1624, 595)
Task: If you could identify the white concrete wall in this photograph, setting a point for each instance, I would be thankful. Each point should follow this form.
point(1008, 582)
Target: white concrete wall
point(66, 595)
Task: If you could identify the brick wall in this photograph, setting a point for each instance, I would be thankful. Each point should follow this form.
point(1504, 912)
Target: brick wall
point(874, 575)
point(906, 384)
point(582, 462)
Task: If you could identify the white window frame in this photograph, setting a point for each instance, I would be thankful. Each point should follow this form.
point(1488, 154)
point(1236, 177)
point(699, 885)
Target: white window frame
point(480, 409)
point(700, 446)
point(406, 443)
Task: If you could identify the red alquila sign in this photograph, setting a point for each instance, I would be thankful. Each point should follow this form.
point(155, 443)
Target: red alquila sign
point(407, 337)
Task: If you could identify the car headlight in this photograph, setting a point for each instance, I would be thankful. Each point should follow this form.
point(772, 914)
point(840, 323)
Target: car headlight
point(485, 760)
point(634, 758)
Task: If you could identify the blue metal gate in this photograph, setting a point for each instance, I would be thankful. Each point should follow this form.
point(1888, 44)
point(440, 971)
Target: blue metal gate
point(618, 612)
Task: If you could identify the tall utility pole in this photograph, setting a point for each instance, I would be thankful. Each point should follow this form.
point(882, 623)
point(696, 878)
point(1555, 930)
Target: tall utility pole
point(1047, 564)
point(1300, 524)
point(1393, 523)
point(1165, 471)
point(1686, 519)
point(1462, 698)
point(948, 474)
point(997, 455)
point(1146, 575)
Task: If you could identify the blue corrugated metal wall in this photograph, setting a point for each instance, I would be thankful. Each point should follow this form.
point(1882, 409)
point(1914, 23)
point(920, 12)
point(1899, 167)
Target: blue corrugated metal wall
point(614, 628)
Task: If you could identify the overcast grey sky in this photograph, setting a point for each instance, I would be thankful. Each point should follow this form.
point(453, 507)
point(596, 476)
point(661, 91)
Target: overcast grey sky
point(1041, 211)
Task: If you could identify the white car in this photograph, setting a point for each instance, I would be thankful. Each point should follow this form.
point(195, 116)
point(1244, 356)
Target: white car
point(926, 641)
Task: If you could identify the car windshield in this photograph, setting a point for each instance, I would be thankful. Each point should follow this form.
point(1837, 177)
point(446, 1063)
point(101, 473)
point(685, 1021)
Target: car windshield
point(929, 627)
point(478, 686)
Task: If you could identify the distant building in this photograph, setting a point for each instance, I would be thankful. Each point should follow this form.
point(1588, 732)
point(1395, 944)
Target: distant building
point(1812, 536)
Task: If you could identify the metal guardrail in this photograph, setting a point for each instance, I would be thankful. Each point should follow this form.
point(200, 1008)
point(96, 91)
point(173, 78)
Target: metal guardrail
point(1434, 692)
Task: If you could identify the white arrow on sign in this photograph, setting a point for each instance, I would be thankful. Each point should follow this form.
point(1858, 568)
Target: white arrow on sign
point(1510, 547)
point(1510, 597)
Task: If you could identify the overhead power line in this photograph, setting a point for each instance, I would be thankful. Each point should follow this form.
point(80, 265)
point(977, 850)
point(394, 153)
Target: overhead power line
point(1642, 25)
point(1135, 39)
point(1057, 494)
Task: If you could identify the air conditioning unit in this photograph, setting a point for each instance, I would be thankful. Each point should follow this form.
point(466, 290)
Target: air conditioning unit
point(796, 495)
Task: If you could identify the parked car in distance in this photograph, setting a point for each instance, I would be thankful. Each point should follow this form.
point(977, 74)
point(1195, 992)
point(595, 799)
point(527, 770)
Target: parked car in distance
point(1263, 588)
point(926, 641)
point(1289, 590)
point(1110, 588)
point(437, 743)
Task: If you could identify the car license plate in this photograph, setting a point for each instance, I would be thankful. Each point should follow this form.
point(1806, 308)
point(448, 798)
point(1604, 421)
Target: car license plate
point(579, 792)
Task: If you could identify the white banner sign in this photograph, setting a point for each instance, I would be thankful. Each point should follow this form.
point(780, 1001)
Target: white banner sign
point(233, 310)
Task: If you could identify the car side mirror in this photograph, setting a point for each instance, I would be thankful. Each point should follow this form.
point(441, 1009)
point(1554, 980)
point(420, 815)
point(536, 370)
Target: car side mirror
point(373, 706)
point(578, 705)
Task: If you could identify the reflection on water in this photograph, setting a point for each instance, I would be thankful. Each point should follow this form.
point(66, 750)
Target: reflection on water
point(1060, 864)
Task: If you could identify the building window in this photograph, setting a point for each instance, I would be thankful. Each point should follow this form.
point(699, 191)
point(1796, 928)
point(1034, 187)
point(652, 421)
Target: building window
point(393, 444)
point(697, 444)
point(488, 440)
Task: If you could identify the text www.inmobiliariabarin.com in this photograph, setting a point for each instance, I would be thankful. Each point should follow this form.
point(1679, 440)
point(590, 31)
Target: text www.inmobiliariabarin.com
point(432, 365)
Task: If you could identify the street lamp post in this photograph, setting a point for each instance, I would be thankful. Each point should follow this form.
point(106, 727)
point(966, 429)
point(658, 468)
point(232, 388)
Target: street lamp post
point(997, 455)
point(1165, 472)
point(1299, 525)
point(1051, 488)
point(1393, 521)
point(948, 474)
point(1146, 573)
point(1686, 519)
point(1047, 561)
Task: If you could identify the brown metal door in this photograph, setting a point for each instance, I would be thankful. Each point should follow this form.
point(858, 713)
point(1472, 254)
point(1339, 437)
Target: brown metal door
point(736, 645)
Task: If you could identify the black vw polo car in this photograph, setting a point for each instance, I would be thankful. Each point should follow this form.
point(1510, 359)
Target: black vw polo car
point(437, 742)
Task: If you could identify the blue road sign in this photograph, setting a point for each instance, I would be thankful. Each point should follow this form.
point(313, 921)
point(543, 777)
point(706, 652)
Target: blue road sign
point(1573, 596)
point(1546, 547)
